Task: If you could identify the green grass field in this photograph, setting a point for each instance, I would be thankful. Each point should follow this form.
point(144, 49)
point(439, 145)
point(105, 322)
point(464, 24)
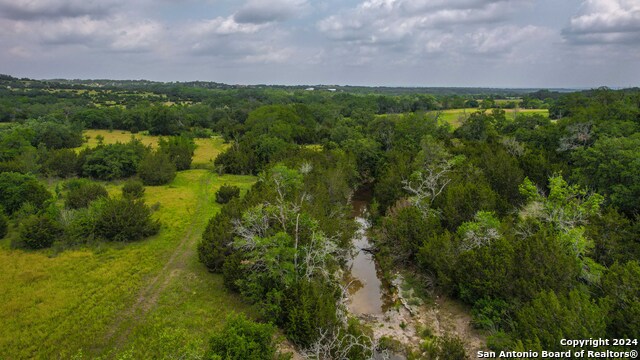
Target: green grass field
point(206, 152)
point(455, 116)
point(143, 300)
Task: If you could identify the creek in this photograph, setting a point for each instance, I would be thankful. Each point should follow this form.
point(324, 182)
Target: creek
point(369, 300)
point(366, 290)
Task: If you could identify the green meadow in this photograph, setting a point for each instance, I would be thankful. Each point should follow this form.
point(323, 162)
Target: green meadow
point(456, 116)
point(206, 151)
point(147, 299)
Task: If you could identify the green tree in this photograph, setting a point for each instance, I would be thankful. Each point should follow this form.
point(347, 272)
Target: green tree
point(164, 120)
point(113, 161)
point(621, 286)
point(215, 244)
point(156, 169)
point(180, 150)
point(18, 189)
point(549, 318)
point(62, 163)
point(242, 339)
point(133, 189)
point(611, 166)
point(226, 193)
point(39, 231)
point(4, 224)
point(124, 220)
point(82, 194)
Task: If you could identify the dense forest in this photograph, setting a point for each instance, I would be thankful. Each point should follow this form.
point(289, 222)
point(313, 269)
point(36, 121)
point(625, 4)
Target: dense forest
point(531, 221)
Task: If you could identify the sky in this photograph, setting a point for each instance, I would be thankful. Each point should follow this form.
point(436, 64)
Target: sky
point(487, 43)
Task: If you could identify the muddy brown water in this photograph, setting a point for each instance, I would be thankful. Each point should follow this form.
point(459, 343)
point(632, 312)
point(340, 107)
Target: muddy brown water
point(368, 296)
point(366, 289)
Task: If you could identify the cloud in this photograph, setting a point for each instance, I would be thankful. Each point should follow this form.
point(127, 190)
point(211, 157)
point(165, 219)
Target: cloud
point(605, 22)
point(224, 26)
point(503, 39)
point(231, 41)
point(266, 11)
point(396, 20)
point(117, 33)
point(414, 31)
point(50, 9)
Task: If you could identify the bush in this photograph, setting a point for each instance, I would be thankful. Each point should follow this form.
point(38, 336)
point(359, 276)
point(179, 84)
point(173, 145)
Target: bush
point(17, 189)
point(113, 161)
point(124, 220)
point(180, 150)
point(226, 193)
point(451, 348)
point(133, 189)
point(81, 195)
point(213, 248)
point(39, 231)
point(4, 224)
point(62, 163)
point(405, 229)
point(80, 227)
point(308, 306)
point(156, 169)
point(56, 136)
point(243, 339)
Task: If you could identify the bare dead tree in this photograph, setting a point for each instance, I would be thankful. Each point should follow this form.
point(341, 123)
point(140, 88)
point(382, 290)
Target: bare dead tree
point(427, 184)
point(254, 224)
point(513, 146)
point(336, 345)
point(579, 136)
point(473, 239)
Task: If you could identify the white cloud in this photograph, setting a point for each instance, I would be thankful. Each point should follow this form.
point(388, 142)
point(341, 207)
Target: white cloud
point(225, 39)
point(224, 26)
point(109, 34)
point(406, 31)
point(606, 22)
point(40, 9)
point(503, 39)
point(266, 11)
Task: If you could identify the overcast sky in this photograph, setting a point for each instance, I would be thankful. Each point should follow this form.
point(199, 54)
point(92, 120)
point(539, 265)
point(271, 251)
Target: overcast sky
point(499, 43)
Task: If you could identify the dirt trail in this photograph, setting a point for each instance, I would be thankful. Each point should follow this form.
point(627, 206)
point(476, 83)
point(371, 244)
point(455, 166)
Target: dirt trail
point(447, 316)
point(148, 296)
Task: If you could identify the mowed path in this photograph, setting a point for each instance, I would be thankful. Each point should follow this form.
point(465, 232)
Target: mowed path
point(149, 299)
point(148, 296)
point(180, 306)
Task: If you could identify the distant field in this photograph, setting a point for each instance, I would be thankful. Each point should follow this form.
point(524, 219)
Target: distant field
point(206, 152)
point(149, 299)
point(455, 116)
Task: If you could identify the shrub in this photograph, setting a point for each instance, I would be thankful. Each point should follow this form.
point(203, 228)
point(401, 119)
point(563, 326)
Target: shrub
point(62, 163)
point(124, 220)
point(4, 224)
point(243, 339)
point(82, 195)
point(226, 193)
point(80, 226)
point(451, 348)
point(213, 248)
point(113, 161)
point(156, 169)
point(308, 306)
point(39, 231)
point(17, 189)
point(55, 136)
point(133, 189)
point(180, 150)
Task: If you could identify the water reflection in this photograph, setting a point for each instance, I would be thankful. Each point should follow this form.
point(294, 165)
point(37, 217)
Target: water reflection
point(366, 288)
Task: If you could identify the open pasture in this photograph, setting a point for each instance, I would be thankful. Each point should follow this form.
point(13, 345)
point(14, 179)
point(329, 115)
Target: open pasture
point(456, 116)
point(207, 149)
point(148, 299)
